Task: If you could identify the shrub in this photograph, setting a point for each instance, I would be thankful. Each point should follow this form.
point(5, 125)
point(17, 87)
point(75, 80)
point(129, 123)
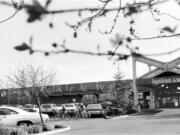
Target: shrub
point(35, 129)
point(6, 130)
point(22, 130)
point(30, 129)
point(59, 126)
point(129, 110)
point(3, 130)
point(47, 127)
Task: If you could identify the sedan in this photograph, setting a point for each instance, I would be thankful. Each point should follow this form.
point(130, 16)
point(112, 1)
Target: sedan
point(95, 110)
point(31, 108)
point(70, 107)
point(14, 116)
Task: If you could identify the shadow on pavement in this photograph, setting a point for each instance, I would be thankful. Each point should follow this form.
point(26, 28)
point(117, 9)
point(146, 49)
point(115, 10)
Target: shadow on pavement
point(158, 114)
point(169, 116)
point(145, 112)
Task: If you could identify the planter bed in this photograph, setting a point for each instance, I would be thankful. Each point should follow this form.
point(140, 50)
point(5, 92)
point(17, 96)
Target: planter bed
point(45, 129)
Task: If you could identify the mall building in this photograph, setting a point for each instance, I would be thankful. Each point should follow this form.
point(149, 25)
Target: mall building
point(90, 92)
point(160, 87)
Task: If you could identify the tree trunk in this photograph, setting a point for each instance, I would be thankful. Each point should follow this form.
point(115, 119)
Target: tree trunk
point(40, 113)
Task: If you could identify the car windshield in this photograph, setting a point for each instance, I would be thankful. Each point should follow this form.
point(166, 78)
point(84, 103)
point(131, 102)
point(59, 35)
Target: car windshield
point(15, 109)
point(94, 106)
point(46, 106)
point(29, 110)
point(5, 111)
point(28, 106)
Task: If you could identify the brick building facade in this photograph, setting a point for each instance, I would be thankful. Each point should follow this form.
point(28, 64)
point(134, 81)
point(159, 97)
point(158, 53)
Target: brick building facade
point(66, 93)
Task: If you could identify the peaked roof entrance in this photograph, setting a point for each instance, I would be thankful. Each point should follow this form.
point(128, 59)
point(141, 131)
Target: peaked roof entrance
point(168, 72)
point(167, 68)
point(164, 73)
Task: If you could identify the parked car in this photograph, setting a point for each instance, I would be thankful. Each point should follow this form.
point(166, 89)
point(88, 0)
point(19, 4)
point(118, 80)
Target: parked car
point(31, 108)
point(95, 110)
point(19, 106)
point(129, 110)
point(115, 111)
point(59, 107)
point(14, 116)
point(71, 107)
point(49, 109)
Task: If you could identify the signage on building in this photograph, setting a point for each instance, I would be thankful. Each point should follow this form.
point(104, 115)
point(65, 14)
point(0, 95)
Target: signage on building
point(165, 80)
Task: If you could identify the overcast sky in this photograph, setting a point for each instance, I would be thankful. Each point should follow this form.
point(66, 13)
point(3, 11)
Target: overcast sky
point(76, 68)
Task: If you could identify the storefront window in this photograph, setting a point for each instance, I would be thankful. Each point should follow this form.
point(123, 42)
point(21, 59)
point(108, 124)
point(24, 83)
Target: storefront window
point(168, 102)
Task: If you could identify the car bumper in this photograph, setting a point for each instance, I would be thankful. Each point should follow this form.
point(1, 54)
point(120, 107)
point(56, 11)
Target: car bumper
point(95, 113)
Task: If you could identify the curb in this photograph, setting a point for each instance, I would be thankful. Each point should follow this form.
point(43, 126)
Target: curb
point(115, 118)
point(118, 117)
point(54, 131)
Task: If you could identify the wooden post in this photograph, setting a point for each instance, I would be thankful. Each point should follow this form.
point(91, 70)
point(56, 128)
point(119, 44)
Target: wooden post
point(152, 100)
point(134, 85)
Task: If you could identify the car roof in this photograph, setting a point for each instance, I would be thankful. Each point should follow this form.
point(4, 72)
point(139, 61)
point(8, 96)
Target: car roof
point(94, 105)
point(19, 110)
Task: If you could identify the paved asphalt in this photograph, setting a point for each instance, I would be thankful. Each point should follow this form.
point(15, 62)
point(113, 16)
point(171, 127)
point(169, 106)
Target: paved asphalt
point(166, 122)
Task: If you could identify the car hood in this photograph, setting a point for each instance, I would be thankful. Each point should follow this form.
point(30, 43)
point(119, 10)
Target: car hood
point(35, 113)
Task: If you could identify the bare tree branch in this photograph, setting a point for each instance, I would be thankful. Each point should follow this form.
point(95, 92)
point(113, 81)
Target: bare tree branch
point(16, 6)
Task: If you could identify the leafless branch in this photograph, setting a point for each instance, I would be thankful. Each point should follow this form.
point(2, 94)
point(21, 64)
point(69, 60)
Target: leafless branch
point(157, 37)
point(16, 6)
point(115, 20)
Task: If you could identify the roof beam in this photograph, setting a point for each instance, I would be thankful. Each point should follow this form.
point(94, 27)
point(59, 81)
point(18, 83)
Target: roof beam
point(160, 66)
point(152, 74)
point(174, 63)
point(149, 61)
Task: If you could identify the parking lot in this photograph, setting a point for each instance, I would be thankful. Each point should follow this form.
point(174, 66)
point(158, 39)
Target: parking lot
point(164, 123)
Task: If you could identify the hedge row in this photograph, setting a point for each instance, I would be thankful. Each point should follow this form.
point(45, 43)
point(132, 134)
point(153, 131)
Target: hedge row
point(24, 130)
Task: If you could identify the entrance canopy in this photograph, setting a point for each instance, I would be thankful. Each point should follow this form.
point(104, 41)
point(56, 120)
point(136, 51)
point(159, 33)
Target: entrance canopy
point(161, 67)
point(161, 86)
point(165, 72)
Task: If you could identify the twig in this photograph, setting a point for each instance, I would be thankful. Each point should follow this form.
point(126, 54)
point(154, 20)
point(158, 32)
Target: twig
point(156, 37)
point(9, 17)
point(78, 52)
point(15, 5)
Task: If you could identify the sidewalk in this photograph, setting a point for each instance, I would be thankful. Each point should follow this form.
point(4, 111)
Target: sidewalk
point(116, 117)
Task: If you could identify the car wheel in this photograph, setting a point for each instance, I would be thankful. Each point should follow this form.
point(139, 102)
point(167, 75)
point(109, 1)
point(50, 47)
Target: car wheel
point(23, 123)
